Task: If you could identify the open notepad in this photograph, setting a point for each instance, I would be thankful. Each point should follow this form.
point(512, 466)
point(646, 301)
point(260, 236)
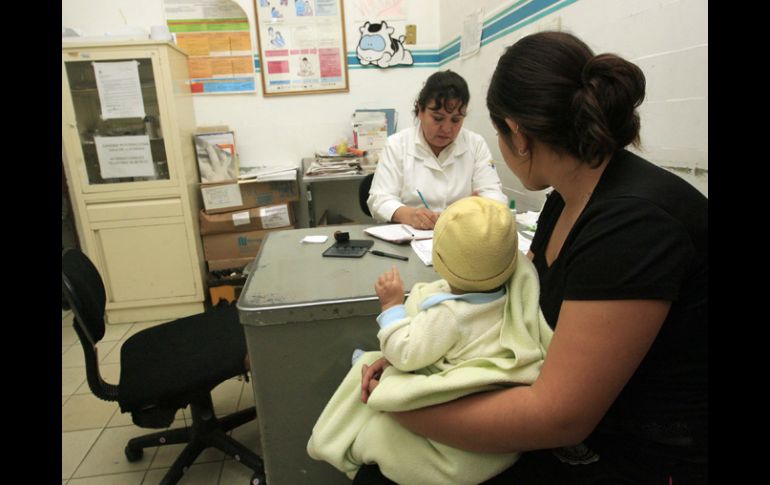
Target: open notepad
point(398, 233)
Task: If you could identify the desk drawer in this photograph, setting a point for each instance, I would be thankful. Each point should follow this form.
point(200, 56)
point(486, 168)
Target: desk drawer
point(134, 209)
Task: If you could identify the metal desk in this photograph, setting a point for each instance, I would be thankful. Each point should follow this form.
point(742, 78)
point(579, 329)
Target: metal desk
point(307, 181)
point(303, 314)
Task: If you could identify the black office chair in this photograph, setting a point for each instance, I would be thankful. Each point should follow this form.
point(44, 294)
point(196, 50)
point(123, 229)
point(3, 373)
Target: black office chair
point(163, 369)
point(363, 193)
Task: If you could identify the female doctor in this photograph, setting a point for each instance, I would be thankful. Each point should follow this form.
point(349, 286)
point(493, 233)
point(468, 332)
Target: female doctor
point(423, 169)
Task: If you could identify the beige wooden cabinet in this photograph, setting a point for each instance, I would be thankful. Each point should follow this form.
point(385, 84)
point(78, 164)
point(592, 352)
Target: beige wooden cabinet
point(127, 124)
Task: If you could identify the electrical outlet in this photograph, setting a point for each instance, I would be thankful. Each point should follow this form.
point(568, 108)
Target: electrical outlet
point(411, 35)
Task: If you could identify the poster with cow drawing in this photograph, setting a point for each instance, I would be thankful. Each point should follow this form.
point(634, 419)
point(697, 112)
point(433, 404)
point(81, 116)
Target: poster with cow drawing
point(302, 47)
point(378, 47)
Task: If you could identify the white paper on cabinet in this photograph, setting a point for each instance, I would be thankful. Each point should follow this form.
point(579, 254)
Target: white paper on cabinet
point(120, 92)
point(124, 156)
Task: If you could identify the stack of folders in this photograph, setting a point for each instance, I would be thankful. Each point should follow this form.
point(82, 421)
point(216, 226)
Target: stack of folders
point(371, 128)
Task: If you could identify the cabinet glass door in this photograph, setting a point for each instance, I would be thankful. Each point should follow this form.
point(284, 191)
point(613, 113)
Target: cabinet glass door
point(118, 120)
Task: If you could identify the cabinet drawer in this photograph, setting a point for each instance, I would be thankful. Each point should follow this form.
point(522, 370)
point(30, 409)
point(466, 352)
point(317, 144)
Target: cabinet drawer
point(134, 209)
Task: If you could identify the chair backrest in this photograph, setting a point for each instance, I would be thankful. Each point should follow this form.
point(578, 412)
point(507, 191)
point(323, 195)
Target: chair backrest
point(363, 193)
point(83, 289)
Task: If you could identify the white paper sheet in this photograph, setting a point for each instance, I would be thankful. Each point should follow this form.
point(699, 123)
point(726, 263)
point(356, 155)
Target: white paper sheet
point(120, 92)
point(524, 243)
point(241, 218)
point(221, 196)
point(314, 239)
point(471, 38)
point(124, 156)
point(424, 250)
point(274, 216)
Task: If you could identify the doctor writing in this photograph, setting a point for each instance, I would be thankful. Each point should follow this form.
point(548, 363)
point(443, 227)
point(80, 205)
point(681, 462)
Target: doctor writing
point(424, 169)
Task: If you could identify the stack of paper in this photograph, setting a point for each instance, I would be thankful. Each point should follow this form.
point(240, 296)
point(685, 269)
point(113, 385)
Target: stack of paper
point(334, 167)
point(325, 156)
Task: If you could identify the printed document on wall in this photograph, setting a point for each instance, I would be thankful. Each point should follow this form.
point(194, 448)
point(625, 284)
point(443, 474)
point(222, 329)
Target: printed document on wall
point(471, 39)
point(216, 36)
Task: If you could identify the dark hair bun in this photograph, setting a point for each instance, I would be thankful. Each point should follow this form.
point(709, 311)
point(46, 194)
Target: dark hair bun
point(560, 93)
point(604, 107)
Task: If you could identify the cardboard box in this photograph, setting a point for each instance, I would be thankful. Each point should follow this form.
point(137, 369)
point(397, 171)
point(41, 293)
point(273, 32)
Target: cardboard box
point(256, 218)
point(229, 197)
point(233, 245)
point(235, 263)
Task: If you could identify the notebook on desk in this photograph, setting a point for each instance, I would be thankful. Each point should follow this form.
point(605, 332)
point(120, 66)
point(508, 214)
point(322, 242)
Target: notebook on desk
point(398, 233)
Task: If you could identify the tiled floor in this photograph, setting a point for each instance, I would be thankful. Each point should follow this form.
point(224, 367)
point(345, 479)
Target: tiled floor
point(94, 432)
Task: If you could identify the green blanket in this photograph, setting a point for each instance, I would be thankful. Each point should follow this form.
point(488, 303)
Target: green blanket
point(349, 433)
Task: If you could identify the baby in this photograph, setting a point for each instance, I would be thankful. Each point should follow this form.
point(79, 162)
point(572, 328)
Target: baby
point(476, 328)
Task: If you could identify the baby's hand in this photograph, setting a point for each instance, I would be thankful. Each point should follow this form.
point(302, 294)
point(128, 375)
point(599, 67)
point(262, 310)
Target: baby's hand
point(390, 289)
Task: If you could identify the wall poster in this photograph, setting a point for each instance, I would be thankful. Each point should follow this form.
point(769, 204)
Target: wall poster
point(215, 35)
point(302, 48)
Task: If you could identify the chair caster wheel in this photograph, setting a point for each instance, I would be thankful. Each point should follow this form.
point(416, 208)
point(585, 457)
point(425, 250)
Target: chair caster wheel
point(258, 479)
point(134, 454)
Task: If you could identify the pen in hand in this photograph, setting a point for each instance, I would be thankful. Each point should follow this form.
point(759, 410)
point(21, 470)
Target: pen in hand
point(423, 200)
point(388, 255)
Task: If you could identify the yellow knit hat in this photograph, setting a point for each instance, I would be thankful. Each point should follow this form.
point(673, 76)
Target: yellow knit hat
point(475, 244)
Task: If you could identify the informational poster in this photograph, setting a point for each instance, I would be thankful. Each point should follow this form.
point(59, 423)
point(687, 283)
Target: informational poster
point(301, 46)
point(370, 10)
point(124, 156)
point(215, 35)
point(120, 92)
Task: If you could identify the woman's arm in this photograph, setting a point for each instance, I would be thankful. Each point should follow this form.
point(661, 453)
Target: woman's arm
point(595, 349)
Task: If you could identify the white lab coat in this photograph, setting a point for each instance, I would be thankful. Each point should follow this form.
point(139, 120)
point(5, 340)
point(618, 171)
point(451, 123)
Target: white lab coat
point(407, 164)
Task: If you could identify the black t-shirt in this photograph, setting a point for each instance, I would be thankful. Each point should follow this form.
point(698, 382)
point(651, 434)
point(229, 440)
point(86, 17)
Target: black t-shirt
point(642, 235)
